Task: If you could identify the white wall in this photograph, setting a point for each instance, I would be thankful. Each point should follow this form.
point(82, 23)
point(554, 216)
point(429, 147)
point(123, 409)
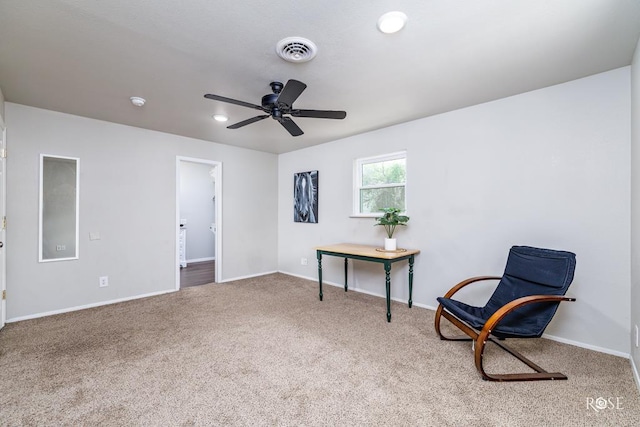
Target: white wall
point(635, 208)
point(548, 168)
point(197, 192)
point(128, 195)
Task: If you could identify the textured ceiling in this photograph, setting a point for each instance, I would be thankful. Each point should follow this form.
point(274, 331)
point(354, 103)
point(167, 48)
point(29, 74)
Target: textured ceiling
point(88, 57)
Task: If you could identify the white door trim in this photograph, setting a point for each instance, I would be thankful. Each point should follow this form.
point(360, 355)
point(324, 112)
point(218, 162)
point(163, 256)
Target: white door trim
point(3, 231)
point(218, 189)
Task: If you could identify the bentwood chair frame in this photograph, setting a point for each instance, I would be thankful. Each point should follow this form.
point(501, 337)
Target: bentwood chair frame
point(480, 336)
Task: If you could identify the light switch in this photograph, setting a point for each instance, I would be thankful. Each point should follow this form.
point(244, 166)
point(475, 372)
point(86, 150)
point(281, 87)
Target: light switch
point(94, 235)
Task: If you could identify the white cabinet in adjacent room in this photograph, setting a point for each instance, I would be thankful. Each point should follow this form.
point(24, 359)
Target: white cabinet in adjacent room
point(182, 247)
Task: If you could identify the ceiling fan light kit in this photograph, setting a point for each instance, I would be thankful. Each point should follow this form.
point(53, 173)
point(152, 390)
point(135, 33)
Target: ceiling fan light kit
point(279, 103)
point(220, 117)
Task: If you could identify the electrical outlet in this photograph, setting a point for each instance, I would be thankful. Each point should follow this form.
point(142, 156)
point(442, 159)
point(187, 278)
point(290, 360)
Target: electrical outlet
point(303, 261)
point(104, 281)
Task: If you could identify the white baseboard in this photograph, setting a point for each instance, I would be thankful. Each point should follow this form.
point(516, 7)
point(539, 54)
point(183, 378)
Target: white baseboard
point(339, 285)
point(636, 376)
point(247, 277)
point(587, 346)
point(362, 291)
point(82, 307)
point(101, 303)
point(201, 259)
point(433, 308)
point(313, 279)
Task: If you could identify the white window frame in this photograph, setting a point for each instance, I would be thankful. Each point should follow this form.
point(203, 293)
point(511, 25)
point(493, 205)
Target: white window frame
point(357, 181)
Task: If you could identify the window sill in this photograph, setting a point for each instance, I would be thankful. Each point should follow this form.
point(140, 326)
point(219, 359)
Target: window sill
point(373, 215)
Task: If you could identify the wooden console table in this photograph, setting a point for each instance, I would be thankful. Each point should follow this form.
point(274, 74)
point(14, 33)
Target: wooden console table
point(369, 253)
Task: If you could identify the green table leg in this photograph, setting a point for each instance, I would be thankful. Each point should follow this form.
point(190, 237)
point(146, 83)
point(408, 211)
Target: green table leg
point(319, 255)
point(410, 280)
point(346, 266)
point(387, 273)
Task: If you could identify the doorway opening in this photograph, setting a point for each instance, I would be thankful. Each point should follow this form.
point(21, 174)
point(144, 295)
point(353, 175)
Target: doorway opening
point(198, 221)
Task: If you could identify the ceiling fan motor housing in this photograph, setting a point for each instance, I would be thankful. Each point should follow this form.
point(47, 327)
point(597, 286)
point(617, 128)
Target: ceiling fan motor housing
point(269, 101)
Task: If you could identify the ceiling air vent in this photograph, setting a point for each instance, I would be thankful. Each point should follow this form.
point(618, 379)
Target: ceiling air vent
point(296, 49)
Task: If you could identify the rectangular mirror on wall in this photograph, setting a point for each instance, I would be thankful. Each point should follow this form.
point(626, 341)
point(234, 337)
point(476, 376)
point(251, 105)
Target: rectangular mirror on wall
point(59, 184)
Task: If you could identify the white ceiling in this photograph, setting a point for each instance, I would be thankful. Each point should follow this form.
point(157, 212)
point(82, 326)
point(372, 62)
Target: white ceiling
point(88, 57)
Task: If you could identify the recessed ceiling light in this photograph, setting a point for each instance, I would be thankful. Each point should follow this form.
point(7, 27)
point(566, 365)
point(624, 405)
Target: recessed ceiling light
point(220, 117)
point(392, 22)
point(137, 101)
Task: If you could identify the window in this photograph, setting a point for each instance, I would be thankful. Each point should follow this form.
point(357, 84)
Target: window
point(380, 183)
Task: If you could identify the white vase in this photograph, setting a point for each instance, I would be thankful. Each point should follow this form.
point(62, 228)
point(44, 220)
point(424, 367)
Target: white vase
point(389, 244)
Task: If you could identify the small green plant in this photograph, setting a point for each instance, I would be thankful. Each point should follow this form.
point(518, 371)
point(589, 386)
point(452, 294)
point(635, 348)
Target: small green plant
point(391, 219)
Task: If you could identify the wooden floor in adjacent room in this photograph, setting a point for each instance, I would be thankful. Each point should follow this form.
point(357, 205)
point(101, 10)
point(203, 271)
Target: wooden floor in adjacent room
point(197, 273)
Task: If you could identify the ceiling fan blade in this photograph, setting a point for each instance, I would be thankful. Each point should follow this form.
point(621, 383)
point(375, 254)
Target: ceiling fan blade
point(290, 126)
point(290, 93)
point(247, 122)
point(233, 101)
point(319, 114)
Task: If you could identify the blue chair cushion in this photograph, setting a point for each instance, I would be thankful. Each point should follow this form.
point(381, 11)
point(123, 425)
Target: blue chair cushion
point(529, 271)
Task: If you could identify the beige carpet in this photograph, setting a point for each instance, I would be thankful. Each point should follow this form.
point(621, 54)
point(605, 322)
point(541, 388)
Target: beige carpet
point(266, 351)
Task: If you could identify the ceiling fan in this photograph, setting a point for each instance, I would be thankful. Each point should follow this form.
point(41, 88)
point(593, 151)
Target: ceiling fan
point(279, 103)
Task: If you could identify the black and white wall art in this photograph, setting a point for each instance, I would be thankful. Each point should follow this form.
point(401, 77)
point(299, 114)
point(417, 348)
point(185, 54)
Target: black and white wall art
point(305, 197)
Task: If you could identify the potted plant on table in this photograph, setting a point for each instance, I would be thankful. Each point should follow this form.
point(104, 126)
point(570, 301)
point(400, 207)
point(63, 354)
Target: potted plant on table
point(391, 219)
